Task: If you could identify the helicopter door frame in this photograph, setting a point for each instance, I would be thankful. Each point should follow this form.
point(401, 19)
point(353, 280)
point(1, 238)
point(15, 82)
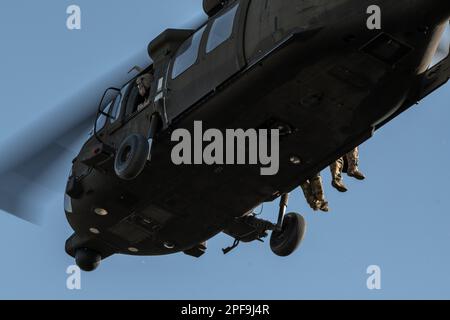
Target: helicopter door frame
point(127, 113)
point(131, 88)
point(211, 69)
point(101, 112)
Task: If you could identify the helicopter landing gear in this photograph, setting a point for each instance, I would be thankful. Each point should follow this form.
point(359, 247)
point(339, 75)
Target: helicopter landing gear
point(283, 243)
point(88, 260)
point(289, 231)
point(286, 236)
point(155, 124)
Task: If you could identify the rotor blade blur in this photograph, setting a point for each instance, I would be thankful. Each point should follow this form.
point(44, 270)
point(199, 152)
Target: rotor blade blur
point(38, 150)
point(61, 122)
point(64, 120)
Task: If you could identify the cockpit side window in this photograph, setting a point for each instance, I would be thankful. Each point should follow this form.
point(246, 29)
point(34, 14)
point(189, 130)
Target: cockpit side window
point(101, 120)
point(116, 108)
point(443, 49)
point(221, 29)
point(187, 54)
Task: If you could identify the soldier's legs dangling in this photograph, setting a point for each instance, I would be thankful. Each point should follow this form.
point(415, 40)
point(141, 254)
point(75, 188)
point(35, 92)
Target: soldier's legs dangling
point(319, 194)
point(336, 174)
point(309, 196)
point(353, 162)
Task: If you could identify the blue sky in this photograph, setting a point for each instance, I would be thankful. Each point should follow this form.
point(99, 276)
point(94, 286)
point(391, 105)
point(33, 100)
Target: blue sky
point(397, 219)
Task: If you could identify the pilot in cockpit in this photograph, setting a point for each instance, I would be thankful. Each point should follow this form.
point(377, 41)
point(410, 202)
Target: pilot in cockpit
point(144, 84)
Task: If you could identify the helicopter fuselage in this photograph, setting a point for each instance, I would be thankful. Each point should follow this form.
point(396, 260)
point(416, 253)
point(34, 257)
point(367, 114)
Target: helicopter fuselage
point(312, 68)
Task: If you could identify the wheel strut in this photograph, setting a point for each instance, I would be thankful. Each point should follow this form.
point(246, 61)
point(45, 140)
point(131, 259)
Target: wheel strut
point(155, 123)
point(284, 200)
point(234, 246)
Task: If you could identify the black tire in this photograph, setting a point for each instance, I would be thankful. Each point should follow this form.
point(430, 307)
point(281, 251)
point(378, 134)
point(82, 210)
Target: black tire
point(131, 157)
point(88, 260)
point(284, 243)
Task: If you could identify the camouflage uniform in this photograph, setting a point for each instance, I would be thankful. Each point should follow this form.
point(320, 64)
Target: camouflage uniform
point(353, 162)
point(336, 175)
point(352, 171)
point(314, 194)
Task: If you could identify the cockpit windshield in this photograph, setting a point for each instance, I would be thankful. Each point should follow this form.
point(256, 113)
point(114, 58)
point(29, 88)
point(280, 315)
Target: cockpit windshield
point(101, 119)
point(443, 49)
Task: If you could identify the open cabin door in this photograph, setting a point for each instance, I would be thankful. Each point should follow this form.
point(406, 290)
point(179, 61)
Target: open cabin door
point(207, 59)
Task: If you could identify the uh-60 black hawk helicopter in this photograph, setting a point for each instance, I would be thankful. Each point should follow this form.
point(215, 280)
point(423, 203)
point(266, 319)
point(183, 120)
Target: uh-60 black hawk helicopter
point(311, 69)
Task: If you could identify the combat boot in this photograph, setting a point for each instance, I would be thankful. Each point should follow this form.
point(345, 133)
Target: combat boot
point(310, 199)
point(316, 205)
point(353, 161)
point(339, 185)
point(319, 194)
point(324, 206)
point(336, 174)
point(355, 173)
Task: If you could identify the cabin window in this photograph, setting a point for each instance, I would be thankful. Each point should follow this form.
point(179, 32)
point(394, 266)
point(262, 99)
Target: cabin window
point(221, 29)
point(187, 54)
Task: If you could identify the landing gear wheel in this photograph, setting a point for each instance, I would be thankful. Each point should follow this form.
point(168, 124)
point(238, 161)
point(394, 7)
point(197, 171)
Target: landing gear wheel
point(283, 243)
point(88, 260)
point(131, 157)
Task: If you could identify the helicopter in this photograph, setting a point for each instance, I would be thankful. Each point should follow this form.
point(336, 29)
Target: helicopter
point(310, 72)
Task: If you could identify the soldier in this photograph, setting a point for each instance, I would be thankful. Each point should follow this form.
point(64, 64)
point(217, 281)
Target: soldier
point(314, 194)
point(313, 188)
point(352, 171)
point(144, 84)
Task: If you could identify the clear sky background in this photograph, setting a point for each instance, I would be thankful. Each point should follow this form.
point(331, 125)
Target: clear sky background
point(397, 219)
